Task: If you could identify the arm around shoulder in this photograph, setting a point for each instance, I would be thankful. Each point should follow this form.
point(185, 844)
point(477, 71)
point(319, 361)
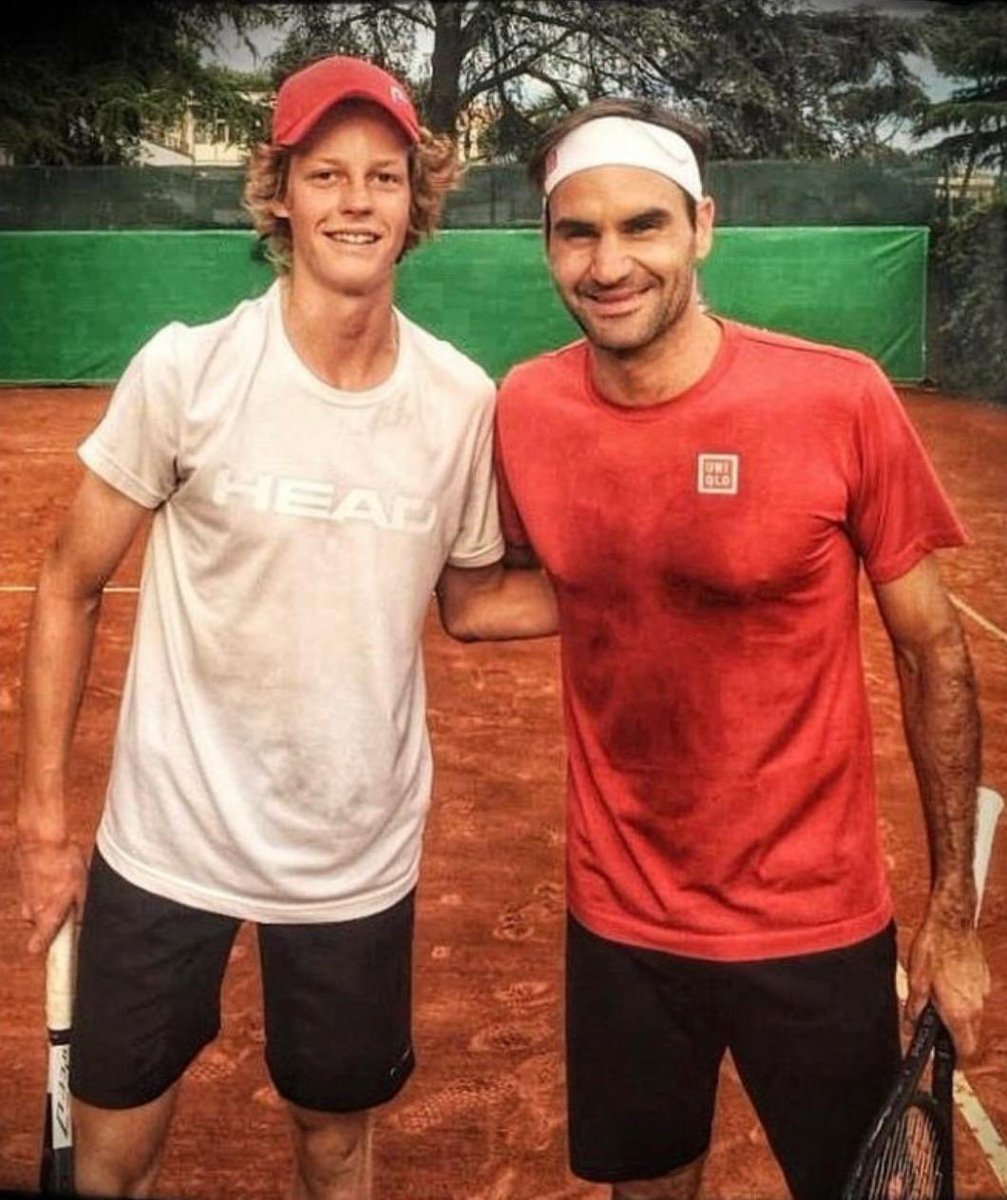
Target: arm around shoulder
point(497, 602)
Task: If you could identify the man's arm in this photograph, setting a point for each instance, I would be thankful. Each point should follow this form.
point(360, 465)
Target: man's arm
point(941, 718)
point(98, 529)
point(512, 598)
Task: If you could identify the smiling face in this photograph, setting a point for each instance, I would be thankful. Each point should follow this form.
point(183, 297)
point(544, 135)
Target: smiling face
point(623, 253)
point(347, 201)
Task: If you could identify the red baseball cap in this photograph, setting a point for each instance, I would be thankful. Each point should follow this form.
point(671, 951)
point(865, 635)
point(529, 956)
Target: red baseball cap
point(308, 94)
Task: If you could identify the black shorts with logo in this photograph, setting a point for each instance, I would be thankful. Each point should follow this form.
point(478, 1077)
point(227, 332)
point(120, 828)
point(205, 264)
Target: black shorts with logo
point(337, 999)
point(814, 1039)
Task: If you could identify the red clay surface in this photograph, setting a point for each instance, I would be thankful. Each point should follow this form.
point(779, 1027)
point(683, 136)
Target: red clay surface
point(483, 1117)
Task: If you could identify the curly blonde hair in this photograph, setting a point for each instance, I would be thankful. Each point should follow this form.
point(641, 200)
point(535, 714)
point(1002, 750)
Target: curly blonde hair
point(434, 170)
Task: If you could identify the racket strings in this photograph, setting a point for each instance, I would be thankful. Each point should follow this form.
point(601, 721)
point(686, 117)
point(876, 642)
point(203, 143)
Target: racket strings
point(910, 1164)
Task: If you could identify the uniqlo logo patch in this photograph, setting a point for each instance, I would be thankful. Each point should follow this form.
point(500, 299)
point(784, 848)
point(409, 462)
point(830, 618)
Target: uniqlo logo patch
point(717, 474)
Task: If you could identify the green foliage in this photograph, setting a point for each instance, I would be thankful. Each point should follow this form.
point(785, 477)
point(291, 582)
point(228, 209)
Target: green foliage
point(771, 78)
point(969, 44)
point(970, 265)
point(77, 87)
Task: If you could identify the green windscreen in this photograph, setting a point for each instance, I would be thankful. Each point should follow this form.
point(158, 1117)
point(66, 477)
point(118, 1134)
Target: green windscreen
point(75, 306)
point(859, 287)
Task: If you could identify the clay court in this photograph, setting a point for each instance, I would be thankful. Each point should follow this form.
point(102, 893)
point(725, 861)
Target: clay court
point(483, 1117)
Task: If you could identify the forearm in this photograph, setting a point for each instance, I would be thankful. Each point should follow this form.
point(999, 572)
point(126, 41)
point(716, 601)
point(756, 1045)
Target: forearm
point(523, 606)
point(57, 658)
point(941, 718)
point(495, 604)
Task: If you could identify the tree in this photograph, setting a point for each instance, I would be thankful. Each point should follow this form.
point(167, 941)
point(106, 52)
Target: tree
point(970, 277)
point(851, 66)
point(969, 45)
point(78, 88)
point(769, 77)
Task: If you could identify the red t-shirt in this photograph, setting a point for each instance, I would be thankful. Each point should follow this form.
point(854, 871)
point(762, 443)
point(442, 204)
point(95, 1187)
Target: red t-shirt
point(705, 555)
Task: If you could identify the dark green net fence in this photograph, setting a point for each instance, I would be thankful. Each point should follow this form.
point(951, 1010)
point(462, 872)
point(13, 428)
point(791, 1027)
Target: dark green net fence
point(747, 193)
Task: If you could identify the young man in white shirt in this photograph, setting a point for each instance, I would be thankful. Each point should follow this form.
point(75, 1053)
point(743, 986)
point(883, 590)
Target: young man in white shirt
point(316, 464)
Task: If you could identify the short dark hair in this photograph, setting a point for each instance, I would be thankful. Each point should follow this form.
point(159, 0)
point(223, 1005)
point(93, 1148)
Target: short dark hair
point(697, 137)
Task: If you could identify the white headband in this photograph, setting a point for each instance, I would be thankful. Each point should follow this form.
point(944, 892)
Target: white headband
point(624, 142)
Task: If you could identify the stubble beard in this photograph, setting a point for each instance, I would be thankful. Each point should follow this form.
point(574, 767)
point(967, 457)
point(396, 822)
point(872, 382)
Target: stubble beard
point(664, 320)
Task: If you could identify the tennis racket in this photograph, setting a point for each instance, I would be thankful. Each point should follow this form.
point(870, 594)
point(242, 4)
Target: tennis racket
point(908, 1153)
point(56, 1177)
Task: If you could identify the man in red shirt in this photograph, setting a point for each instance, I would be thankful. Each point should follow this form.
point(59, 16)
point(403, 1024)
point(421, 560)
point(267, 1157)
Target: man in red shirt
point(703, 495)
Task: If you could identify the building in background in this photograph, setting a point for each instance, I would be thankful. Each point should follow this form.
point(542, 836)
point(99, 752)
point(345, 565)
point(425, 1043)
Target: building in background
point(196, 139)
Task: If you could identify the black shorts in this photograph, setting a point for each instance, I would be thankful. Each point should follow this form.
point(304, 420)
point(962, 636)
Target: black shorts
point(337, 999)
point(814, 1038)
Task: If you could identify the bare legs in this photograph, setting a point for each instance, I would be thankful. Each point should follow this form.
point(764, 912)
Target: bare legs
point(682, 1184)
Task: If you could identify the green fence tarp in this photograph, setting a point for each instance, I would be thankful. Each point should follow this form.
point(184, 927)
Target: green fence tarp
point(74, 306)
point(864, 288)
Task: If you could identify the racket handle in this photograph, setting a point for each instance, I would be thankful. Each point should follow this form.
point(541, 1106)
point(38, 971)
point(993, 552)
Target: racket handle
point(59, 967)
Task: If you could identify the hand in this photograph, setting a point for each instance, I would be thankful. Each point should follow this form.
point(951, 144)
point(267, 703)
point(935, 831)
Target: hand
point(53, 882)
point(947, 965)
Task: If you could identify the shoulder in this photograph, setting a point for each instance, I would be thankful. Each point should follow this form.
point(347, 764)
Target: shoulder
point(548, 369)
point(804, 352)
point(787, 351)
point(815, 379)
point(182, 349)
point(450, 368)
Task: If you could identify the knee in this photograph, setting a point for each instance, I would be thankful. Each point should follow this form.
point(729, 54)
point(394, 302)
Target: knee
point(117, 1152)
point(330, 1145)
point(680, 1184)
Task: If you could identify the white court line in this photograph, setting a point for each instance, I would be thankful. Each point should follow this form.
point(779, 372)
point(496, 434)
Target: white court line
point(15, 588)
point(997, 632)
point(975, 1116)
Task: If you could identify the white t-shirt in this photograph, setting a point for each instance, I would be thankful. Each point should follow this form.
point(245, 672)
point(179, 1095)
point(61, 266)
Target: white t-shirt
point(272, 760)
